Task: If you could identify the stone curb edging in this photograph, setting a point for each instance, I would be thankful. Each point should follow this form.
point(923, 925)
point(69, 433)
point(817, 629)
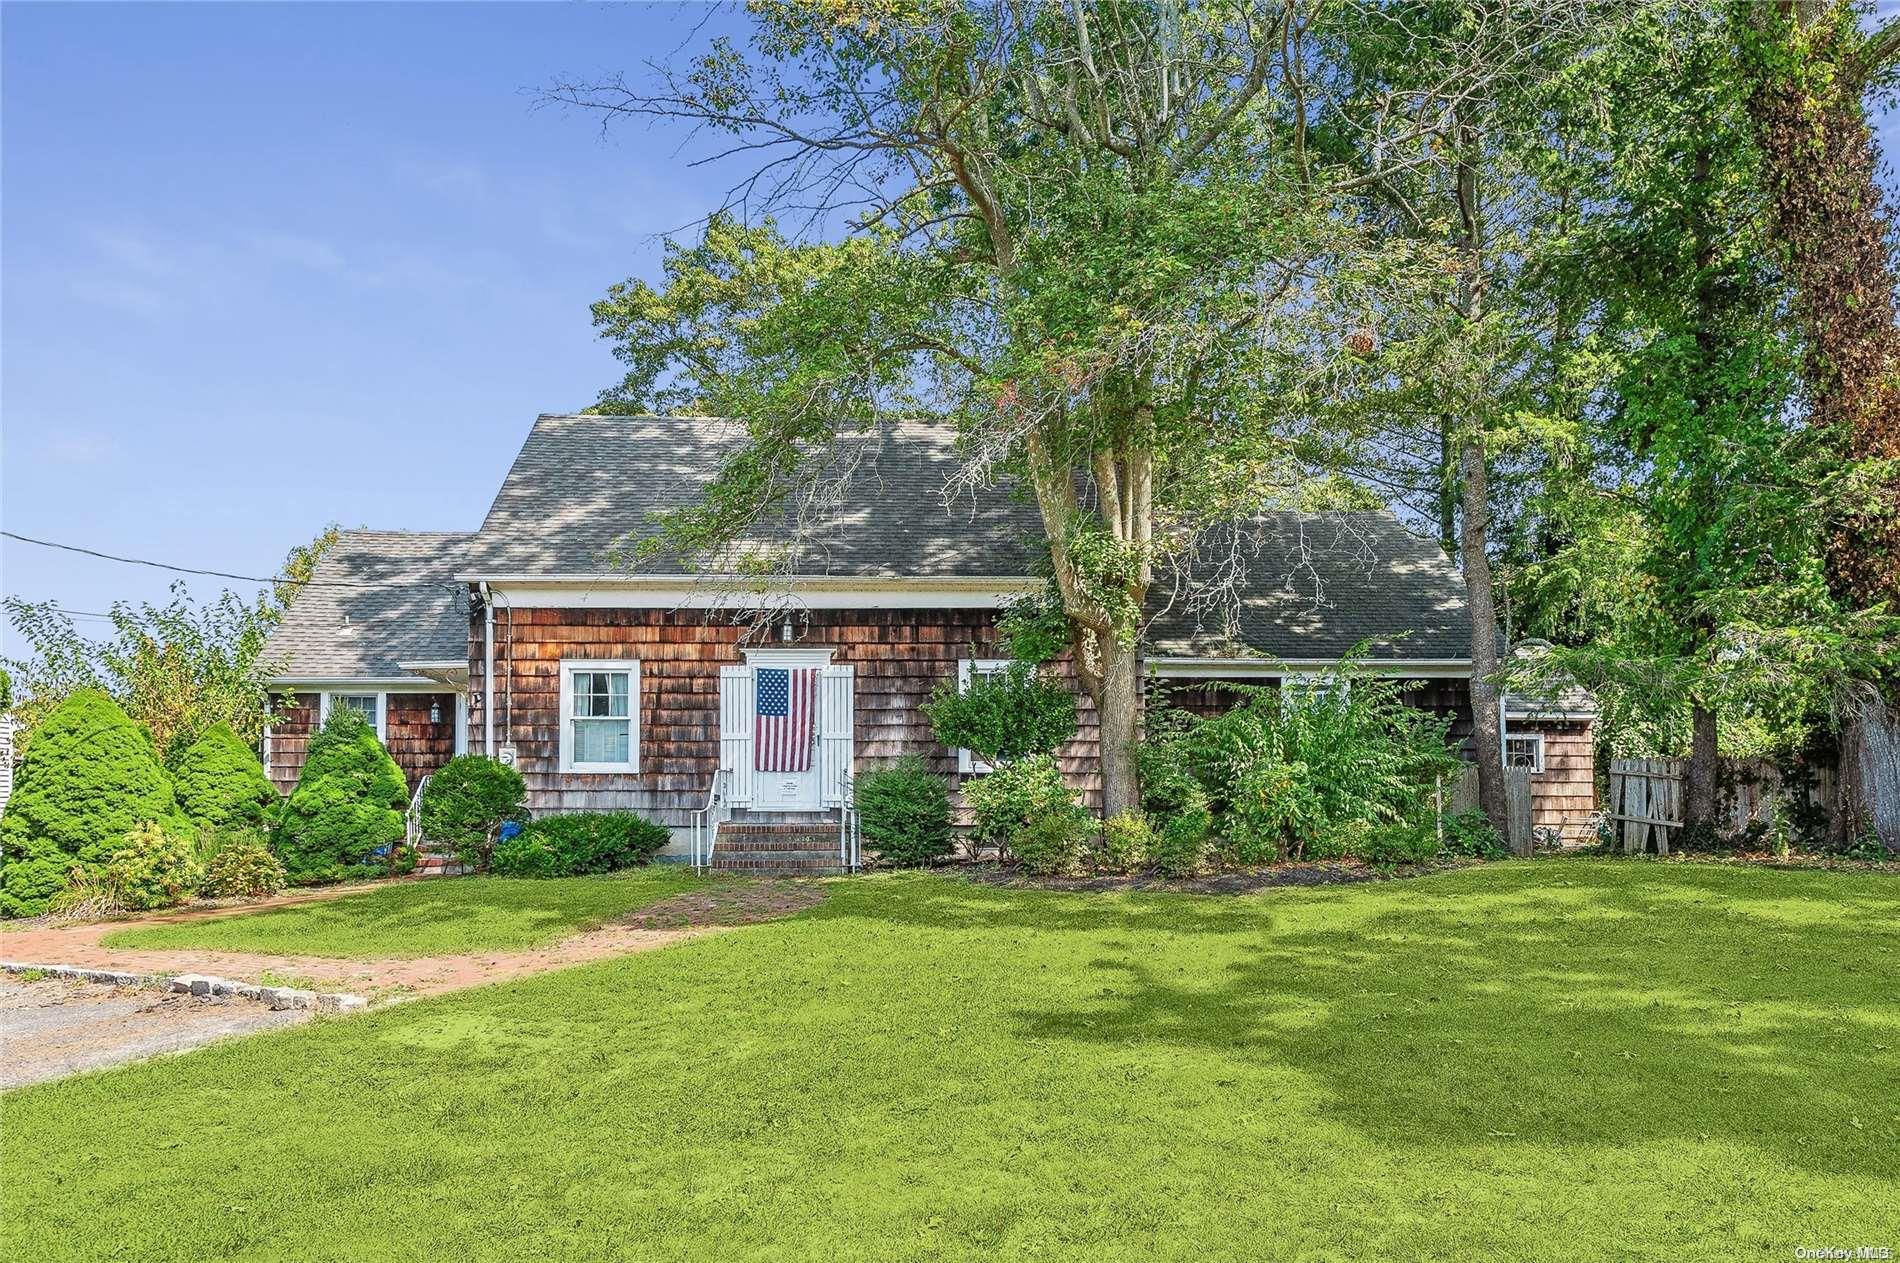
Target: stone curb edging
point(199, 984)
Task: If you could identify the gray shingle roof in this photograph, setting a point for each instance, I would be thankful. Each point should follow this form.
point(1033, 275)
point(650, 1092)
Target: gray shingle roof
point(582, 490)
point(402, 605)
point(1316, 585)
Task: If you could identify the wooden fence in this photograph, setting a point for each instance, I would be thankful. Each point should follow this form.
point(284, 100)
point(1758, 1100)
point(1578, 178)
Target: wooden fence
point(1463, 796)
point(1646, 798)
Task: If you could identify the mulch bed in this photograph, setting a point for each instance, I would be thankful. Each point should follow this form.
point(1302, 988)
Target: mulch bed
point(1812, 861)
point(744, 901)
point(1317, 873)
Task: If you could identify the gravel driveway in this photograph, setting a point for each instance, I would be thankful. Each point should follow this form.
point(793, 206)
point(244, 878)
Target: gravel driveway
point(52, 1026)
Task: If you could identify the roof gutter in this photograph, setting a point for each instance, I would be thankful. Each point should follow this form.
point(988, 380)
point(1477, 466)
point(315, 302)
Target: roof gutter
point(1190, 668)
point(488, 670)
point(826, 583)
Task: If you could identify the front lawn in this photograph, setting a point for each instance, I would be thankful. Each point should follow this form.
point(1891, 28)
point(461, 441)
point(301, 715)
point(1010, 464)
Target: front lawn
point(435, 917)
point(1534, 1060)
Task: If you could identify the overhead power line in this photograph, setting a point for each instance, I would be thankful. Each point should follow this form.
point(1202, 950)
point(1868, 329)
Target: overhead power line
point(216, 574)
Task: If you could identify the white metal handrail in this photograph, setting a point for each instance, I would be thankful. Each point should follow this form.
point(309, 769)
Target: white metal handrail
point(412, 819)
point(850, 847)
point(707, 819)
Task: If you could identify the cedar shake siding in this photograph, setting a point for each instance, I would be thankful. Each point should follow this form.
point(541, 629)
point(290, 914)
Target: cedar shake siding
point(1564, 794)
point(900, 656)
point(418, 746)
point(290, 739)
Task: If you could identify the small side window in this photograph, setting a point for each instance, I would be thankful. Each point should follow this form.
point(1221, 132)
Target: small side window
point(969, 669)
point(1524, 750)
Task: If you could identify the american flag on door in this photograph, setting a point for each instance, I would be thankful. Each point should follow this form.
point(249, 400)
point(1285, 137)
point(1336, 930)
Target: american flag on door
point(787, 706)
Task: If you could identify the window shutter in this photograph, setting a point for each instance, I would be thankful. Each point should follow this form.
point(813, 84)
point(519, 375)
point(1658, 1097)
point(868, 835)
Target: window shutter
point(836, 689)
point(736, 716)
point(966, 763)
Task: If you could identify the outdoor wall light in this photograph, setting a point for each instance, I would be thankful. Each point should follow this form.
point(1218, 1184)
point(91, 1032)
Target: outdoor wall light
point(435, 712)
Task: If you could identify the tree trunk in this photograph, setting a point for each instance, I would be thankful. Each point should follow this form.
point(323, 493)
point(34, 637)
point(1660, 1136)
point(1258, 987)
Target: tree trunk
point(1701, 793)
point(1870, 773)
point(1119, 711)
point(1486, 701)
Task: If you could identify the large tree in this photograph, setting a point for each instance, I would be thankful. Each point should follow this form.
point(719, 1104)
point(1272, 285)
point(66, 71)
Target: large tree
point(1811, 65)
point(1468, 395)
point(1114, 247)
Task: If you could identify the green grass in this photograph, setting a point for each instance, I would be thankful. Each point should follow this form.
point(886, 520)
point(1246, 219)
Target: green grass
point(1549, 1060)
point(424, 918)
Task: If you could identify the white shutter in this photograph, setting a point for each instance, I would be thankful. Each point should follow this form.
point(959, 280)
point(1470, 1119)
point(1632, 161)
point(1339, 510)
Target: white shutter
point(835, 700)
point(966, 762)
point(736, 717)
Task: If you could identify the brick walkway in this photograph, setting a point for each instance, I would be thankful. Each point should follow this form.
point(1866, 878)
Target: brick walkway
point(669, 921)
point(374, 979)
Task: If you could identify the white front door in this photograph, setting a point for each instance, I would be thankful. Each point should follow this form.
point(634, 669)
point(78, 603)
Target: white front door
point(787, 728)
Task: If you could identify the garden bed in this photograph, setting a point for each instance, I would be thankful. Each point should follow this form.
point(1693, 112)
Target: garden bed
point(1238, 882)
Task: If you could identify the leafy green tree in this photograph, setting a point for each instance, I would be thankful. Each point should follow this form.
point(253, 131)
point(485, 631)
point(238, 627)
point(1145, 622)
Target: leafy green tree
point(1102, 246)
point(220, 781)
point(91, 776)
point(1811, 68)
point(177, 668)
point(1677, 555)
point(349, 801)
point(1003, 716)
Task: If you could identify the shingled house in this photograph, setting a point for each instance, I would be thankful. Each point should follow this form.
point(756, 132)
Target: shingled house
point(621, 681)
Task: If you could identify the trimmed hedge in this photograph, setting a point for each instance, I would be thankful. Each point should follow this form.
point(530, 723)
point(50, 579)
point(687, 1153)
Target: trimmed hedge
point(467, 802)
point(89, 777)
point(1003, 717)
point(348, 802)
point(1018, 794)
point(904, 812)
point(580, 843)
point(220, 782)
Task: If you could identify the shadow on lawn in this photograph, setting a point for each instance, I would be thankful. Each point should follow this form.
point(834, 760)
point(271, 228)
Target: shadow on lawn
point(1580, 1007)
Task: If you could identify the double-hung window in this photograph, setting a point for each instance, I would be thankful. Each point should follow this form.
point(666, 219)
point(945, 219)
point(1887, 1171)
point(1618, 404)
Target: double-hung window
point(368, 705)
point(600, 716)
point(1312, 690)
point(1524, 750)
point(969, 669)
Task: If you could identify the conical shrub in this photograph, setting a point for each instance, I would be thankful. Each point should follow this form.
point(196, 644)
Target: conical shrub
point(89, 776)
point(220, 782)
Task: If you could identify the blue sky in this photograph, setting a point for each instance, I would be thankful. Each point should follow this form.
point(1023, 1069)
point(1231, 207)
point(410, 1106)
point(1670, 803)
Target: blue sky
point(272, 266)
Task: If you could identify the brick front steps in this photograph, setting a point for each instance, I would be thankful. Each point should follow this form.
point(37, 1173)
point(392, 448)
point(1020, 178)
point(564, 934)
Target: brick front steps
point(790, 850)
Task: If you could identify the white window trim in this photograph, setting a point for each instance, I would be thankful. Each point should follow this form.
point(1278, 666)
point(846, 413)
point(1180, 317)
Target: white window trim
point(966, 667)
point(382, 706)
point(1535, 737)
point(1317, 685)
point(632, 667)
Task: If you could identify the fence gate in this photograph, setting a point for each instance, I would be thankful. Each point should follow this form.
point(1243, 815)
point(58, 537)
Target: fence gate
point(1463, 796)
